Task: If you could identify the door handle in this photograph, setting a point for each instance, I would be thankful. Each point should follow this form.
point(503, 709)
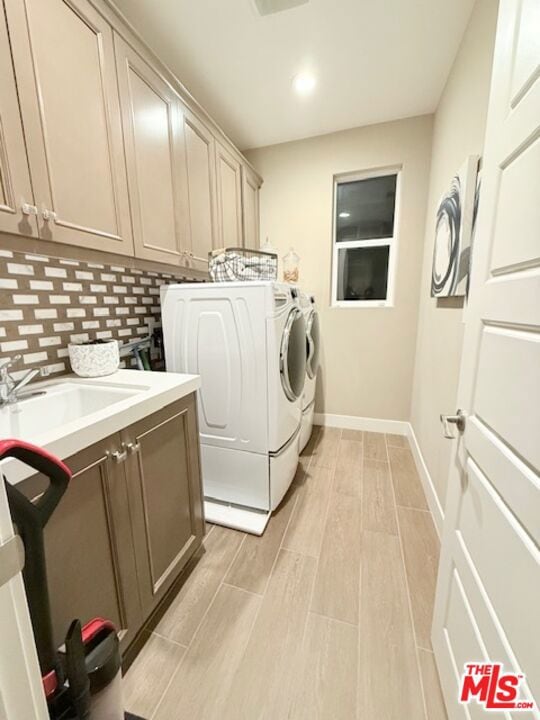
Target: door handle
point(458, 420)
point(133, 447)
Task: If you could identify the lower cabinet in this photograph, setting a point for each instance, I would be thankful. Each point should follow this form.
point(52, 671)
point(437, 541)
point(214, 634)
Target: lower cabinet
point(129, 521)
point(165, 496)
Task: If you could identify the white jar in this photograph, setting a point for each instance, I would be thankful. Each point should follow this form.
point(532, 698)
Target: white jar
point(94, 360)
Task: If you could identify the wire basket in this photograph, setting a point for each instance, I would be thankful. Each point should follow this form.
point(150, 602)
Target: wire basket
point(232, 264)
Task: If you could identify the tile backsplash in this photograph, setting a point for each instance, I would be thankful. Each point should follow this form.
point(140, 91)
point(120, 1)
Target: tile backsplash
point(46, 303)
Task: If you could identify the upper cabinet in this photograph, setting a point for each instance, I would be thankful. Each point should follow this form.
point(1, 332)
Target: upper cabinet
point(250, 207)
point(229, 197)
point(17, 209)
point(64, 64)
point(200, 158)
point(155, 159)
point(101, 146)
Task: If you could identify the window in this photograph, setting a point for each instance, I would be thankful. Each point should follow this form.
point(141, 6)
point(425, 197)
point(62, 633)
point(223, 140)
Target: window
point(365, 239)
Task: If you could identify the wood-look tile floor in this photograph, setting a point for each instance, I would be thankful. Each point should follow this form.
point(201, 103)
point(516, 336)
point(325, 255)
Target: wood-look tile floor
point(325, 617)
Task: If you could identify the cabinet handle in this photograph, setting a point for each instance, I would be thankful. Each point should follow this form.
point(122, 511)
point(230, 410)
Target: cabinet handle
point(118, 455)
point(48, 215)
point(28, 209)
point(133, 447)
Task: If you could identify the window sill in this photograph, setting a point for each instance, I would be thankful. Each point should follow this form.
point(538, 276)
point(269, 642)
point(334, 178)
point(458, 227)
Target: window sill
point(365, 304)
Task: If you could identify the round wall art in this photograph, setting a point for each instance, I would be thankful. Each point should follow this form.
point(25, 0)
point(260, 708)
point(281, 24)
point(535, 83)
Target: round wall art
point(453, 229)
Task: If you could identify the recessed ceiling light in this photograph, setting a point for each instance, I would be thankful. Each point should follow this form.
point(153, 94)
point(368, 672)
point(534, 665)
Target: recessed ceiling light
point(344, 214)
point(304, 83)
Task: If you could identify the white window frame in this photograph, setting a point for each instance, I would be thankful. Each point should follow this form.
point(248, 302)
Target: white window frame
point(392, 242)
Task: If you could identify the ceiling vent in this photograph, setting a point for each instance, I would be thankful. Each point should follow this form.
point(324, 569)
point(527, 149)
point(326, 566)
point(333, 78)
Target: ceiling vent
point(269, 7)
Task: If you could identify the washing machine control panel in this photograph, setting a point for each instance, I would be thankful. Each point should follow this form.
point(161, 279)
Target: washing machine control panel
point(283, 294)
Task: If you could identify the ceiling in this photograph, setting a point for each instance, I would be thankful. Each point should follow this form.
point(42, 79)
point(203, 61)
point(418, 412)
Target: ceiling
point(374, 60)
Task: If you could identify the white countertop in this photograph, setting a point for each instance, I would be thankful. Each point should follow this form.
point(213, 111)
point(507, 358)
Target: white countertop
point(151, 391)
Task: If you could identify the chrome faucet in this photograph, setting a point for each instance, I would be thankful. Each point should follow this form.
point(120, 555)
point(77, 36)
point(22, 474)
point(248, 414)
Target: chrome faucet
point(9, 387)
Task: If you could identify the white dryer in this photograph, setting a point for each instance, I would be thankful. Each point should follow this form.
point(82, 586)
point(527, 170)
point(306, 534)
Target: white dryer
point(313, 340)
point(247, 342)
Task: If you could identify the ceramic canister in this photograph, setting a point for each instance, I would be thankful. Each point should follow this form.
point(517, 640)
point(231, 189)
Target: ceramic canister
point(94, 360)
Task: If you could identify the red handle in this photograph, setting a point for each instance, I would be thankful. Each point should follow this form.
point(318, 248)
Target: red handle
point(95, 626)
point(44, 462)
point(32, 455)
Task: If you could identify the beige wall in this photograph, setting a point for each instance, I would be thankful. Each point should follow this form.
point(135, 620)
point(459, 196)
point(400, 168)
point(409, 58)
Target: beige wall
point(368, 354)
point(458, 132)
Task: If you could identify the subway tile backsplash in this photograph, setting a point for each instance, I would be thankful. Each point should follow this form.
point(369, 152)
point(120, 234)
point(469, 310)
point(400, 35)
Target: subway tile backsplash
point(47, 302)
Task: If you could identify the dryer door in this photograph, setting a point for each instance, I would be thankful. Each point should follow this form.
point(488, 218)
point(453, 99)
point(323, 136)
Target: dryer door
point(292, 359)
point(313, 336)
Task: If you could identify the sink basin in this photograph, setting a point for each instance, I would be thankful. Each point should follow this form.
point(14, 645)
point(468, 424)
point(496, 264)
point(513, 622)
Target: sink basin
point(60, 404)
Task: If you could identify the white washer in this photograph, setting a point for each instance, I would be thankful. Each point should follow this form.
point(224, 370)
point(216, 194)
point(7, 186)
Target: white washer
point(247, 342)
point(313, 340)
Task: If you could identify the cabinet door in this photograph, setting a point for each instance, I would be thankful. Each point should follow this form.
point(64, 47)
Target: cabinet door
point(200, 155)
point(250, 208)
point(165, 495)
point(229, 191)
point(16, 199)
point(88, 545)
point(64, 64)
point(155, 155)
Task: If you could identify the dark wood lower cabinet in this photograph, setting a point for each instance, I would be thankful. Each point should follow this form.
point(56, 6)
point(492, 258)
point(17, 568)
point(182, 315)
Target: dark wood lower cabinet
point(165, 496)
point(128, 523)
point(88, 545)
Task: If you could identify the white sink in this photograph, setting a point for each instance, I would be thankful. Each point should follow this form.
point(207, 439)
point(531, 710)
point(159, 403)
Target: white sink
point(60, 404)
point(73, 413)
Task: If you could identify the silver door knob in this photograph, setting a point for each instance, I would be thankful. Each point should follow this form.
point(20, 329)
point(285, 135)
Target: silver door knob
point(458, 420)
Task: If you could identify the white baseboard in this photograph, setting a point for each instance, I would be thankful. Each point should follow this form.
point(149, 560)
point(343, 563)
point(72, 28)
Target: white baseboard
point(397, 427)
point(427, 482)
point(353, 422)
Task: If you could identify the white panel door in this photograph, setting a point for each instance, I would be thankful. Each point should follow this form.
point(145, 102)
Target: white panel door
point(21, 691)
point(488, 592)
